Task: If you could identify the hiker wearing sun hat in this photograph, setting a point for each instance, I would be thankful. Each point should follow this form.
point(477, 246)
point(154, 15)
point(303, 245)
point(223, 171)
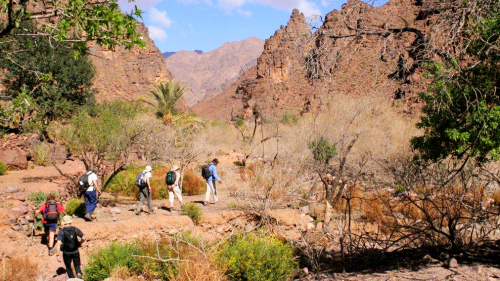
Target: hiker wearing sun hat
point(143, 181)
point(68, 242)
point(172, 180)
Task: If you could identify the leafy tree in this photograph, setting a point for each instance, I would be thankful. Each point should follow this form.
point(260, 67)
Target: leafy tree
point(44, 80)
point(462, 112)
point(164, 97)
point(103, 137)
point(74, 21)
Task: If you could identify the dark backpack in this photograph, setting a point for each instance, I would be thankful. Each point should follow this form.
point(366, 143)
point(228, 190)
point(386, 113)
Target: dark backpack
point(70, 241)
point(170, 178)
point(51, 213)
point(205, 172)
point(140, 181)
point(83, 183)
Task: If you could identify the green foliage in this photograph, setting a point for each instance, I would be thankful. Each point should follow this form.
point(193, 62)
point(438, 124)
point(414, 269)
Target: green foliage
point(239, 122)
point(44, 80)
point(106, 132)
point(75, 206)
point(3, 168)
point(103, 261)
point(257, 257)
point(462, 111)
point(192, 210)
point(77, 22)
point(38, 198)
point(322, 150)
point(164, 97)
point(124, 184)
point(289, 119)
point(400, 188)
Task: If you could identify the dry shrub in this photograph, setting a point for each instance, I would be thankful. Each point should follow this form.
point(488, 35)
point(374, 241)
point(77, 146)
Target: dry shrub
point(120, 272)
point(19, 269)
point(193, 183)
point(199, 268)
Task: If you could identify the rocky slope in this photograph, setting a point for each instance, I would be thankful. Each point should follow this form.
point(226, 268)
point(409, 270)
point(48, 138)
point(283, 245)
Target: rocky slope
point(299, 70)
point(128, 74)
point(209, 74)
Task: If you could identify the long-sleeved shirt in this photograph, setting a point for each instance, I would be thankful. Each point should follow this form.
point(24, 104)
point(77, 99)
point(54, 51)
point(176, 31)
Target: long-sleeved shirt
point(213, 172)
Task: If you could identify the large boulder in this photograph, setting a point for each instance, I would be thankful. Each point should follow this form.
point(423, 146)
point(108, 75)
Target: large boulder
point(14, 158)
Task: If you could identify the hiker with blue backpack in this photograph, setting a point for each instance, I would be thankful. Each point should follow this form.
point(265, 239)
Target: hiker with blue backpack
point(209, 173)
point(172, 180)
point(143, 181)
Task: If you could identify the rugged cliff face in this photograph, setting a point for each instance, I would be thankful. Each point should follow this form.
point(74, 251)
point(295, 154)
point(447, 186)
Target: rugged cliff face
point(209, 74)
point(360, 50)
point(128, 74)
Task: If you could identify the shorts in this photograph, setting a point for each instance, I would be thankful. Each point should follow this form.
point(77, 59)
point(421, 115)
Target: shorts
point(50, 226)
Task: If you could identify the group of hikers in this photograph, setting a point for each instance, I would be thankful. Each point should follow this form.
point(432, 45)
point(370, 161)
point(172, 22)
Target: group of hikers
point(70, 238)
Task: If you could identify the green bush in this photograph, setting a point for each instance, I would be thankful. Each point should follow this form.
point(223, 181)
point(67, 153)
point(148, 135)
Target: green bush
point(75, 206)
point(124, 183)
point(289, 119)
point(38, 198)
point(103, 262)
point(257, 257)
point(193, 211)
point(3, 168)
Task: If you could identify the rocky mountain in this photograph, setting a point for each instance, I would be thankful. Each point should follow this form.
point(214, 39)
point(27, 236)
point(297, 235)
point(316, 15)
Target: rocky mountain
point(169, 54)
point(360, 50)
point(209, 74)
point(128, 74)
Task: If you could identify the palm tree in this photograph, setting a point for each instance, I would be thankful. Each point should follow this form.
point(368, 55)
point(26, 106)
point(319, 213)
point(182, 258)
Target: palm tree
point(164, 97)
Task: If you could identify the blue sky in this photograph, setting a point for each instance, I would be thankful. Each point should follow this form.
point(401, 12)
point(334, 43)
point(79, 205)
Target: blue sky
point(206, 24)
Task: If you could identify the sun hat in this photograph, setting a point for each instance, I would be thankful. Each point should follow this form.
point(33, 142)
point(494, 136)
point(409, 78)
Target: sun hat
point(175, 168)
point(66, 220)
point(148, 169)
point(216, 160)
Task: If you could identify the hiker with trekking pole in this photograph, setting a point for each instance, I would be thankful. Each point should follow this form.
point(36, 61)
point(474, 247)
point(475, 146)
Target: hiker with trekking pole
point(143, 182)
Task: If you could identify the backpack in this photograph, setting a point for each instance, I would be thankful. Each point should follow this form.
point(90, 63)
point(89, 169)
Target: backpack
point(51, 213)
point(70, 241)
point(140, 181)
point(83, 183)
point(170, 178)
point(205, 172)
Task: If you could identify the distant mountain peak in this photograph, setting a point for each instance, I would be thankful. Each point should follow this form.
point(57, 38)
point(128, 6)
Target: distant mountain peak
point(169, 54)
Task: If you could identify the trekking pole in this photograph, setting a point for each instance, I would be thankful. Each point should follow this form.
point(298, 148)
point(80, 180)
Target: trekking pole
point(33, 230)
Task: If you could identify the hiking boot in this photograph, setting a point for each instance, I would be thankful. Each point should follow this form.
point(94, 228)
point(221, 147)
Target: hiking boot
point(205, 203)
point(137, 213)
point(52, 251)
point(79, 276)
point(88, 217)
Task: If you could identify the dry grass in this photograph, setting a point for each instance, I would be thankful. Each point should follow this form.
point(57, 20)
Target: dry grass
point(19, 269)
point(199, 268)
point(193, 183)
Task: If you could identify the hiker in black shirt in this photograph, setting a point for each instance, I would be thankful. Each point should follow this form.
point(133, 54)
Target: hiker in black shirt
point(69, 244)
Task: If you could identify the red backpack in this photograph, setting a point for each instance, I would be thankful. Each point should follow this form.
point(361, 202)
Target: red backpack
point(51, 213)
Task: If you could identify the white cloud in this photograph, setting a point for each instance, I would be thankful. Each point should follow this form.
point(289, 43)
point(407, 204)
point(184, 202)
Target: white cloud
point(160, 17)
point(156, 33)
point(246, 13)
point(141, 4)
point(308, 7)
point(207, 2)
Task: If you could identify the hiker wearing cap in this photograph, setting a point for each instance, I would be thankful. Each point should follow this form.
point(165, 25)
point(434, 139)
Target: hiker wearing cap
point(68, 242)
point(211, 181)
point(91, 194)
point(50, 211)
point(143, 181)
point(172, 180)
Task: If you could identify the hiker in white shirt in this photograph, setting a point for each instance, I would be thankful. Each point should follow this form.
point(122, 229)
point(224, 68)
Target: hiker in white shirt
point(175, 188)
point(91, 198)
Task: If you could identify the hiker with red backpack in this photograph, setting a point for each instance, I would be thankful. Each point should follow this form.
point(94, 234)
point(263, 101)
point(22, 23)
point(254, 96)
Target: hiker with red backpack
point(69, 240)
point(172, 180)
point(143, 181)
point(88, 183)
point(209, 173)
point(50, 216)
